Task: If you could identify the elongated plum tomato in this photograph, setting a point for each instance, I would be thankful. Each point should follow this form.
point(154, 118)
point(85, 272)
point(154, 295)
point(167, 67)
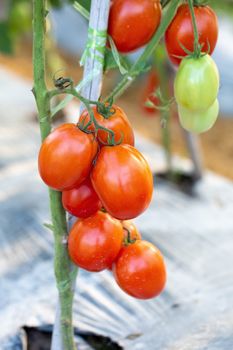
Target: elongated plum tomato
point(180, 31)
point(117, 122)
point(81, 201)
point(140, 270)
point(66, 156)
point(123, 181)
point(130, 227)
point(132, 23)
point(95, 242)
point(197, 83)
point(198, 122)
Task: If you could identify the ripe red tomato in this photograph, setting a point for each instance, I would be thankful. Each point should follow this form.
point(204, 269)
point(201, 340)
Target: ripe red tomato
point(117, 122)
point(66, 156)
point(181, 31)
point(95, 242)
point(152, 84)
point(129, 227)
point(140, 270)
point(81, 201)
point(123, 181)
point(132, 23)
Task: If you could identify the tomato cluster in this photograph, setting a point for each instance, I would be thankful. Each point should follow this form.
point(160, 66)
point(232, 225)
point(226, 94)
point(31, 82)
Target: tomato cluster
point(197, 79)
point(105, 185)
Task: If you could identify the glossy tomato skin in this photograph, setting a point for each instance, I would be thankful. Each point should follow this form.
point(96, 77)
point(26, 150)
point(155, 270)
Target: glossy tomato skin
point(81, 201)
point(118, 122)
point(140, 270)
point(132, 23)
point(95, 242)
point(66, 156)
point(129, 226)
point(198, 122)
point(181, 31)
point(123, 181)
point(197, 83)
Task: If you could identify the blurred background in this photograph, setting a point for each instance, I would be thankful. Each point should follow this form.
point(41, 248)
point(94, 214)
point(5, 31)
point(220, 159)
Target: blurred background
point(25, 246)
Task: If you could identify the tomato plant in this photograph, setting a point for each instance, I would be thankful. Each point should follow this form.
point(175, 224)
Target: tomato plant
point(66, 156)
point(197, 83)
point(140, 270)
point(180, 31)
point(114, 119)
point(199, 121)
point(123, 181)
point(95, 242)
point(81, 201)
point(132, 23)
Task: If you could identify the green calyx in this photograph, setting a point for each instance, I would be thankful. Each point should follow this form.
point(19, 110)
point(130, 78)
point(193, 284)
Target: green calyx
point(106, 109)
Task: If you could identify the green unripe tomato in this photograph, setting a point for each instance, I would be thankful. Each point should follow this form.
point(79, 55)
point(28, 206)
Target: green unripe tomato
point(196, 83)
point(201, 121)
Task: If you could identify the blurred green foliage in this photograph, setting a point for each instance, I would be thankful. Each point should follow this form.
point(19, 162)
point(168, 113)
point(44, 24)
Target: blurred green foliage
point(18, 21)
point(222, 6)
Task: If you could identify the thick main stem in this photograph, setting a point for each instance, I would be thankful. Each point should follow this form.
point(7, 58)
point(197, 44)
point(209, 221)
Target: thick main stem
point(93, 69)
point(62, 263)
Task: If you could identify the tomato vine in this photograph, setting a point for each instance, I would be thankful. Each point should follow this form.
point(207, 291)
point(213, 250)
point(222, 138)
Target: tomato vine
point(99, 179)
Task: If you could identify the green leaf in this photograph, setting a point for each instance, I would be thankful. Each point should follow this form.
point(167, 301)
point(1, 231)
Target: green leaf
point(82, 10)
point(83, 7)
point(110, 62)
point(117, 57)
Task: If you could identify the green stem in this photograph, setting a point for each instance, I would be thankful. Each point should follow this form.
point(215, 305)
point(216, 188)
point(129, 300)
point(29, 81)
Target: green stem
point(164, 3)
point(165, 115)
point(136, 68)
point(64, 270)
point(194, 24)
point(87, 103)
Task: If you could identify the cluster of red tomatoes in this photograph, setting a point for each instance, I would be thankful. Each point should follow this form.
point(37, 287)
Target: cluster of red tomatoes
point(105, 186)
point(132, 24)
point(197, 79)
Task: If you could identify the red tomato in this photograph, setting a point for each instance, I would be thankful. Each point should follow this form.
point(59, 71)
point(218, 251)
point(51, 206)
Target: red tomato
point(132, 23)
point(95, 242)
point(140, 270)
point(81, 201)
point(66, 156)
point(129, 227)
point(123, 181)
point(181, 31)
point(118, 122)
point(152, 84)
